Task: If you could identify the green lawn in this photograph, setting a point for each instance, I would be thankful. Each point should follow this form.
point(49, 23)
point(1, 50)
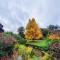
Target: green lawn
point(44, 44)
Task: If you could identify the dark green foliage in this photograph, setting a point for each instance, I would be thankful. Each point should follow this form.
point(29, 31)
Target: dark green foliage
point(53, 27)
point(6, 51)
point(45, 32)
point(6, 34)
point(2, 53)
point(1, 44)
point(9, 49)
point(20, 39)
point(1, 28)
point(21, 31)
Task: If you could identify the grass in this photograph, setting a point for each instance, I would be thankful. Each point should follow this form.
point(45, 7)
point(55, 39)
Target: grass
point(35, 58)
point(44, 44)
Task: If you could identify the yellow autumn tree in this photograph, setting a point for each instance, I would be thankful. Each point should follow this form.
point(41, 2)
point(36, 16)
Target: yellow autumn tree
point(32, 30)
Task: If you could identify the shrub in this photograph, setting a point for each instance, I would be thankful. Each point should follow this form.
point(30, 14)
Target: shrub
point(6, 46)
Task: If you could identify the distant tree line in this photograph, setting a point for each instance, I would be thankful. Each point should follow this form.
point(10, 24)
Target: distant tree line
point(54, 27)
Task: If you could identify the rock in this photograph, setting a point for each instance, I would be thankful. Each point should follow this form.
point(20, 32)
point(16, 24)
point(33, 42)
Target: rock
point(19, 58)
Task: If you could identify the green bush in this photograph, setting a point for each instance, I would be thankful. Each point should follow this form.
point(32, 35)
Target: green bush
point(2, 53)
point(20, 39)
point(5, 48)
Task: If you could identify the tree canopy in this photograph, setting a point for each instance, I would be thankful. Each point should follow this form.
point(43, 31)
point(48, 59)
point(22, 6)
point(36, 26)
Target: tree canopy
point(32, 30)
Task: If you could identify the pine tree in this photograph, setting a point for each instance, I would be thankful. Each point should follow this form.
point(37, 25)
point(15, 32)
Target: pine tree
point(32, 30)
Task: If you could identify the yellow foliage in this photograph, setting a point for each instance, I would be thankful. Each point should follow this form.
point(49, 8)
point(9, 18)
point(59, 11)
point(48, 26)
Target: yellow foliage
point(28, 49)
point(33, 31)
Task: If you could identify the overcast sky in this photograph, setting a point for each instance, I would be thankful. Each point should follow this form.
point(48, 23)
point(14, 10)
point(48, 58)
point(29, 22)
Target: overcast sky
point(15, 13)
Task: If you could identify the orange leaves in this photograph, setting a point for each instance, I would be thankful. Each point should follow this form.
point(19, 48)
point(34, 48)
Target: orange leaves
point(32, 30)
point(54, 36)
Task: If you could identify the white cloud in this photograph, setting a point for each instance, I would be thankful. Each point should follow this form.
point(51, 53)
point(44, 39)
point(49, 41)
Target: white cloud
point(15, 13)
